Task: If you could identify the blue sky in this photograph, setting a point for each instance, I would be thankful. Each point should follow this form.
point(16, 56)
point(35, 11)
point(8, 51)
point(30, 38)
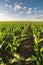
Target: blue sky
point(24, 10)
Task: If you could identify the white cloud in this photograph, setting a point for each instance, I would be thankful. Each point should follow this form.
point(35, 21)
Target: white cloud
point(36, 18)
point(29, 12)
point(10, 6)
point(36, 7)
point(28, 16)
point(6, 5)
point(16, 15)
point(39, 17)
point(6, 0)
point(30, 9)
point(1, 14)
point(17, 6)
point(19, 14)
point(24, 7)
point(35, 11)
point(5, 17)
point(40, 11)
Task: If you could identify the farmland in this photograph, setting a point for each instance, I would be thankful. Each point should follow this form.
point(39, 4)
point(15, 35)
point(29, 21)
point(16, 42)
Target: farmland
point(21, 43)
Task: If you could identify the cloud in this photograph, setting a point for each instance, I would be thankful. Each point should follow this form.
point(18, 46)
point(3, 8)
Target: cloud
point(36, 8)
point(6, 5)
point(5, 11)
point(5, 17)
point(29, 12)
point(17, 6)
point(35, 17)
point(40, 11)
point(19, 14)
point(10, 6)
point(6, 0)
point(35, 11)
point(38, 16)
point(1, 14)
point(24, 7)
point(30, 9)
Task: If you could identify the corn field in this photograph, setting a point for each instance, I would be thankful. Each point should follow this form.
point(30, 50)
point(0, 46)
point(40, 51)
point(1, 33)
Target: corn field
point(21, 43)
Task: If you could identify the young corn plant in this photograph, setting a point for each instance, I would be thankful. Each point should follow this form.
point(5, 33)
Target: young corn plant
point(37, 49)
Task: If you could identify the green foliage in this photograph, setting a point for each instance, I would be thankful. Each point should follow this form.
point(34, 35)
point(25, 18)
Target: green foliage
point(11, 35)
